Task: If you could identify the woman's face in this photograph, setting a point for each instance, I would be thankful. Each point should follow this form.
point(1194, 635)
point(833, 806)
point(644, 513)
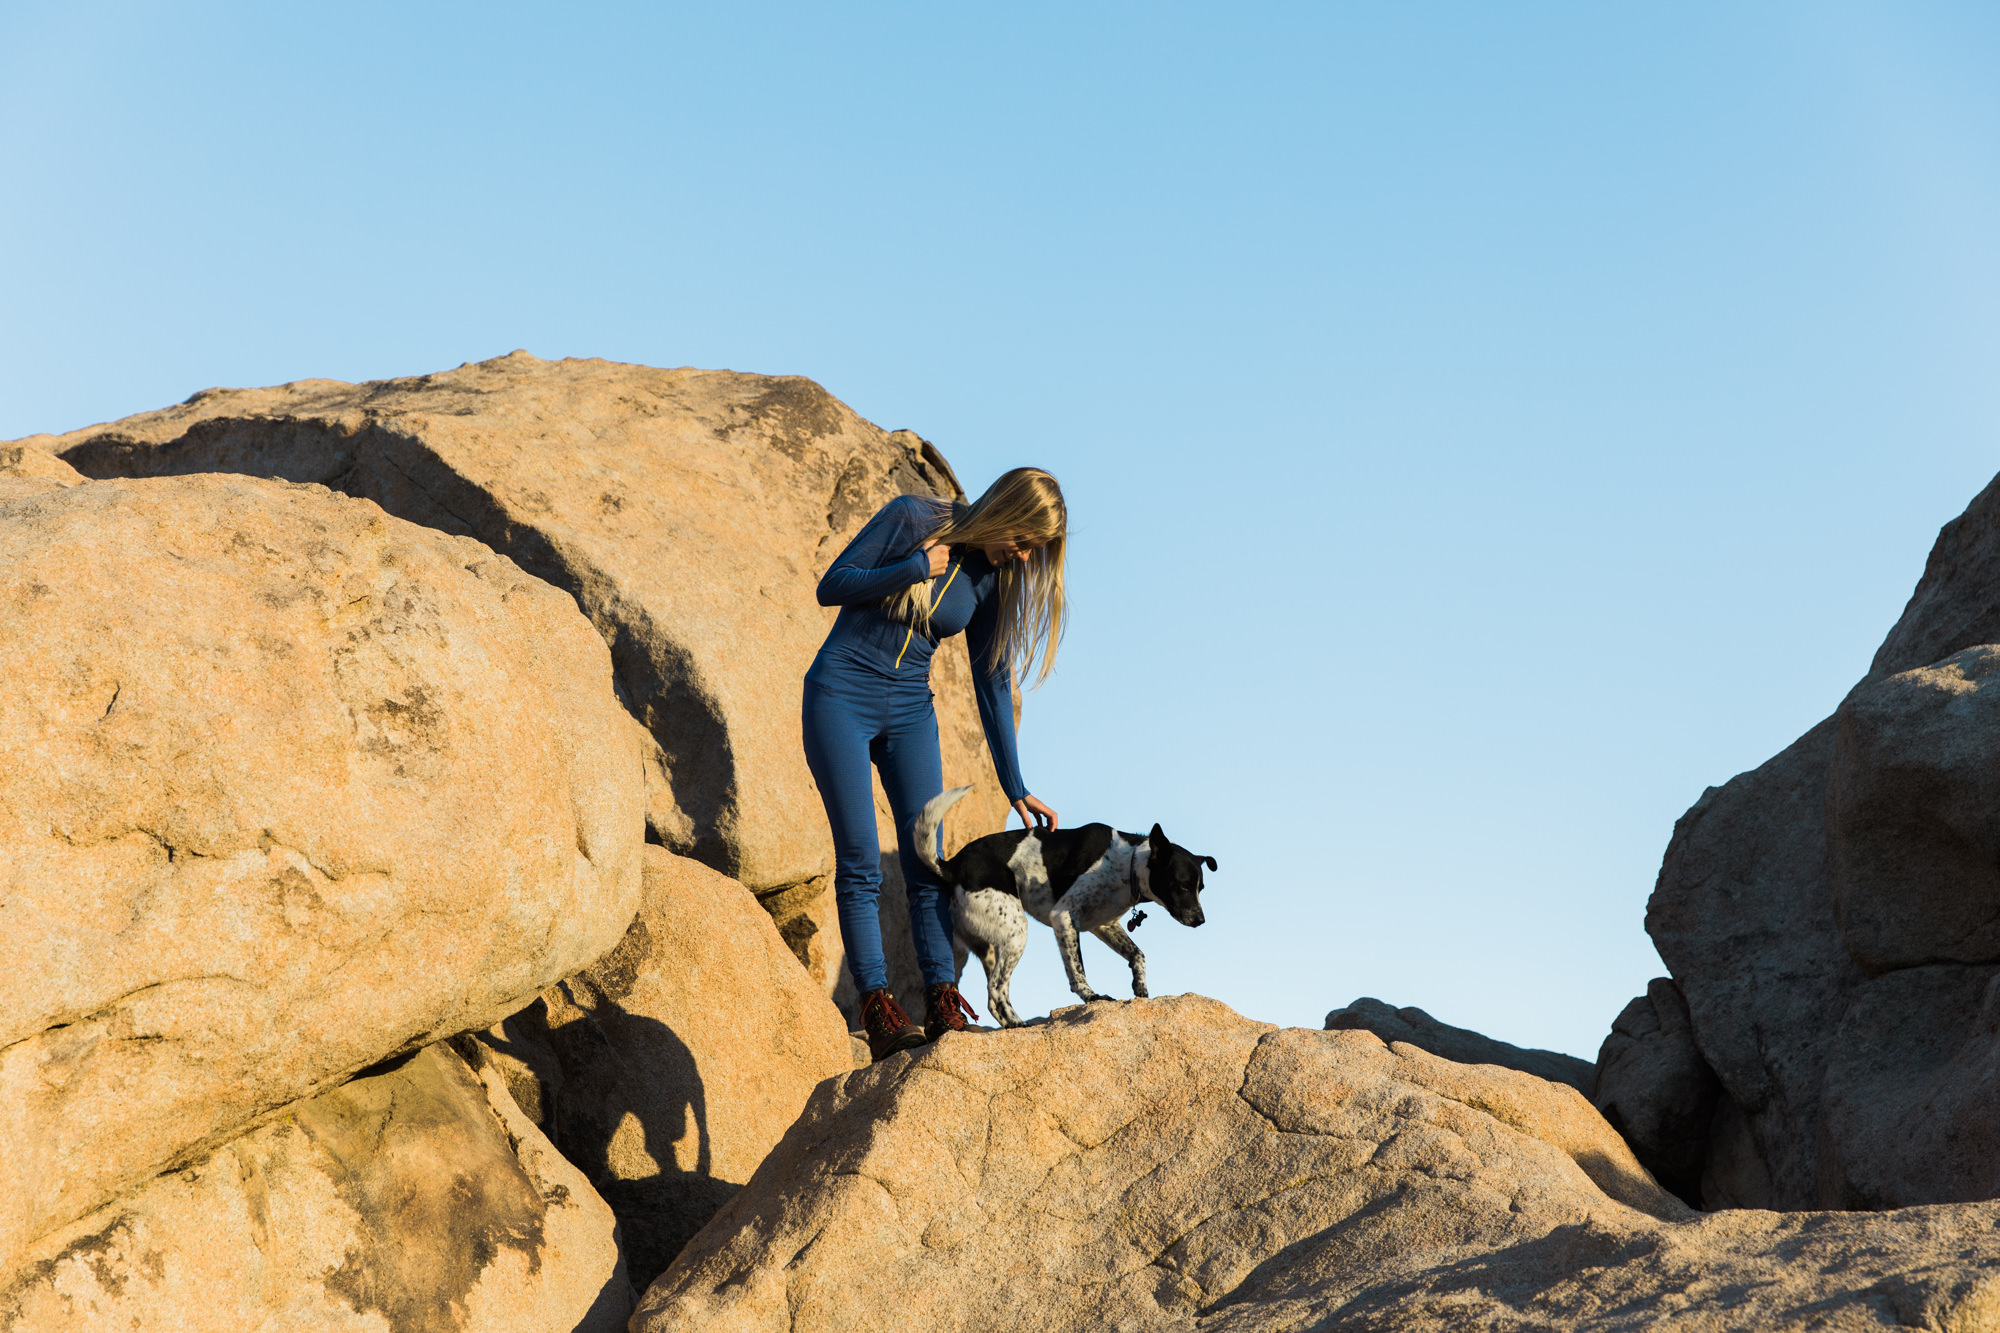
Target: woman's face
point(1010, 549)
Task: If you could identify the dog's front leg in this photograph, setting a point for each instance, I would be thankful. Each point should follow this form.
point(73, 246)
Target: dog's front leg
point(1072, 955)
point(1114, 935)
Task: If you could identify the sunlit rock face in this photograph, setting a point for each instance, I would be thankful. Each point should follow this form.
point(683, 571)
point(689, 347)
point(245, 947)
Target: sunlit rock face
point(415, 1197)
point(290, 786)
point(1167, 1164)
point(689, 512)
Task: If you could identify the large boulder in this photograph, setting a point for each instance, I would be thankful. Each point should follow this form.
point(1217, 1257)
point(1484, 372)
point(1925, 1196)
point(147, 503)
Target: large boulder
point(287, 786)
point(1168, 1165)
point(1913, 837)
point(416, 1197)
point(684, 1055)
point(1912, 1106)
point(1862, 848)
point(1460, 1045)
point(689, 512)
point(1743, 918)
point(1653, 1087)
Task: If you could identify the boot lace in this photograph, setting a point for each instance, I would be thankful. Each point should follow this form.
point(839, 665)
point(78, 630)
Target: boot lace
point(950, 1007)
point(880, 1012)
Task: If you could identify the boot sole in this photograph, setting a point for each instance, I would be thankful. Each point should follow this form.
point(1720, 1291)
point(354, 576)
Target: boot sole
point(909, 1041)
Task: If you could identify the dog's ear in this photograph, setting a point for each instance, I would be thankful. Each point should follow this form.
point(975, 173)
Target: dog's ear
point(1157, 840)
point(1208, 861)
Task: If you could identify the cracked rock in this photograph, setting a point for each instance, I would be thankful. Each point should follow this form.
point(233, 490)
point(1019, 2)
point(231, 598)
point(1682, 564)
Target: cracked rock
point(1168, 1165)
point(690, 514)
point(287, 786)
point(417, 1196)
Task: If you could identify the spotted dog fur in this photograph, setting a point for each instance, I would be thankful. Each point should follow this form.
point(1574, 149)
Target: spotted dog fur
point(1071, 880)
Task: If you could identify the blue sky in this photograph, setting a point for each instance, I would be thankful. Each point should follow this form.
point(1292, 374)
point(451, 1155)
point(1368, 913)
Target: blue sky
point(1485, 426)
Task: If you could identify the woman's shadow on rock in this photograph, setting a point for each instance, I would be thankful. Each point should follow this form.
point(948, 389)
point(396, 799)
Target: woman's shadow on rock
point(621, 1098)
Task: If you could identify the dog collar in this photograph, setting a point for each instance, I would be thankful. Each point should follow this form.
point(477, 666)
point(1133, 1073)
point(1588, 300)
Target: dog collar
point(1132, 877)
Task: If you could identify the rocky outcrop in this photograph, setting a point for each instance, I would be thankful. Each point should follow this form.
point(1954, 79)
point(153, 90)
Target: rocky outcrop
point(1865, 848)
point(1165, 1164)
point(1653, 1087)
point(416, 1197)
point(1461, 1045)
point(689, 513)
point(681, 1056)
point(290, 786)
point(1743, 917)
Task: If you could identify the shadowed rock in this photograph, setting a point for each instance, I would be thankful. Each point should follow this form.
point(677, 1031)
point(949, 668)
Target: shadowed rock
point(1463, 1045)
point(1912, 1109)
point(683, 1055)
point(1743, 916)
point(1914, 807)
point(1654, 1088)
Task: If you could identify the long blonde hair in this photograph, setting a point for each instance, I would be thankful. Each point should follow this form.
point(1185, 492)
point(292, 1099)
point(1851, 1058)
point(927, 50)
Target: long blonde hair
point(1024, 505)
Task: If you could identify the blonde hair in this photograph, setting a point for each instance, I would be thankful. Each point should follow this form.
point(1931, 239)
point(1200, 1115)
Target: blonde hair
point(1024, 505)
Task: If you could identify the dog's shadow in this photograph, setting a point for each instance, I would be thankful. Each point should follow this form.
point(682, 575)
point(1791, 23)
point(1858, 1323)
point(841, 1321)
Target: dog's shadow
point(625, 1104)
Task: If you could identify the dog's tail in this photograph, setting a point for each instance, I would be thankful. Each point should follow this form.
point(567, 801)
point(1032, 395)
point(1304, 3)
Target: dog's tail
point(930, 821)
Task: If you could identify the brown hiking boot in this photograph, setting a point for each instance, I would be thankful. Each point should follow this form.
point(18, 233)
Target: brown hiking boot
point(945, 1010)
point(889, 1028)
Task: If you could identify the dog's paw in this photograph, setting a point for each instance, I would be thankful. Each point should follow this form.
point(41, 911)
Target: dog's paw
point(1139, 993)
point(1093, 998)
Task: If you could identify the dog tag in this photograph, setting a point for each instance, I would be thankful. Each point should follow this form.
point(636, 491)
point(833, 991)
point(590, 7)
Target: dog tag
point(1133, 924)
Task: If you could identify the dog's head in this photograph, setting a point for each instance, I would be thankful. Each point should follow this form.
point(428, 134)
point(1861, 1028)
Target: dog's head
point(1173, 878)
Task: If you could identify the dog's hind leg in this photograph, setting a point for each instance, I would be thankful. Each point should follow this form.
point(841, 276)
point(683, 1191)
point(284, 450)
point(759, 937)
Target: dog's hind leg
point(1072, 955)
point(1000, 962)
point(1114, 935)
point(994, 929)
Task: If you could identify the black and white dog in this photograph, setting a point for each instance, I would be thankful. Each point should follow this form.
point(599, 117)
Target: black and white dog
point(1070, 880)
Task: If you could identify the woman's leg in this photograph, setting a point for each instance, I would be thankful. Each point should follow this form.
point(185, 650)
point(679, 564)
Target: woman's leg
point(837, 736)
point(912, 773)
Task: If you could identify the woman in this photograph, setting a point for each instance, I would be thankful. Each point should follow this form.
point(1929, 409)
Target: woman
point(922, 570)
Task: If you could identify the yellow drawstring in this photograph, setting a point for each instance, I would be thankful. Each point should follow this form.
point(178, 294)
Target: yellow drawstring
point(911, 631)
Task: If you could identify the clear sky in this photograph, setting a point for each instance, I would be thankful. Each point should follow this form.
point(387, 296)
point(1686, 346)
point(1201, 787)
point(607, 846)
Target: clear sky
point(1484, 425)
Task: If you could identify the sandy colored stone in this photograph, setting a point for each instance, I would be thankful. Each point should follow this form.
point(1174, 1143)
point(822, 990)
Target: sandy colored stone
point(685, 1054)
point(1122, 1166)
point(416, 1199)
point(1653, 1087)
point(1914, 816)
point(1166, 1164)
point(690, 513)
point(286, 786)
point(1460, 1045)
point(1743, 917)
point(35, 457)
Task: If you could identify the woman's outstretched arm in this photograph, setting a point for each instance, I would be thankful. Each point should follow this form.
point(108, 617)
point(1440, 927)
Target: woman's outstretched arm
point(883, 558)
point(993, 689)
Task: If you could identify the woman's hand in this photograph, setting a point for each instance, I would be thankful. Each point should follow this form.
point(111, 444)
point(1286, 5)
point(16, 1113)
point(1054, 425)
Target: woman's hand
point(940, 556)
point(1033, 812)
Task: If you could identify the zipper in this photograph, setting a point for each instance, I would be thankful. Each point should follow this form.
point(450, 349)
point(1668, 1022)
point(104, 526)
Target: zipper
point(910, 633)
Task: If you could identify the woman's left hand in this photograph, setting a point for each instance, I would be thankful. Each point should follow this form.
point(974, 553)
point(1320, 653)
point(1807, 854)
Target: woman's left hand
point(1033, 812)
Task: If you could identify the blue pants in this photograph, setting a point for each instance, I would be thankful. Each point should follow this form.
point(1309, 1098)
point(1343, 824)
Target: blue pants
point(854, 717)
